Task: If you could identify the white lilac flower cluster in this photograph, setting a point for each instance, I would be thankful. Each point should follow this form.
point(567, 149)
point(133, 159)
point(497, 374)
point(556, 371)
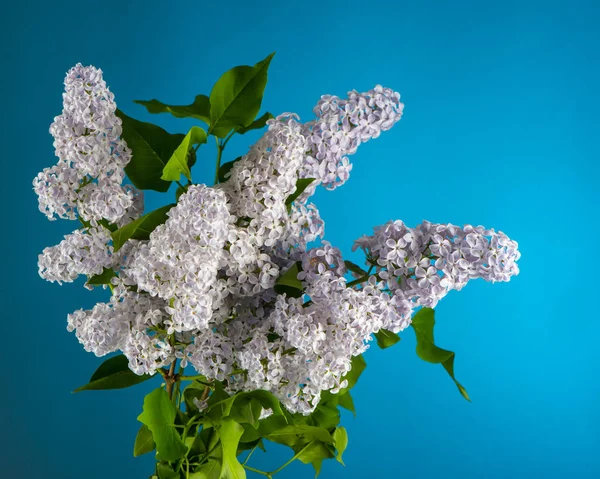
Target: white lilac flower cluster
point(202, 290)
point(87, 178)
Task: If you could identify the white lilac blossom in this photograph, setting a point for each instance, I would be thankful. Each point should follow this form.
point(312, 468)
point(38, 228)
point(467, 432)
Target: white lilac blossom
point(92, 157)
point(341, 126)
point(423, 264)
point(81, 252)
point(201, 288)
point(180, 262)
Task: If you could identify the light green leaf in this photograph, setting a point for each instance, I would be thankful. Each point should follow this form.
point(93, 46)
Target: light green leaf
point(300, 434)
point(256, 124)
point(102, 278)
point(143, 441)
point(208, 470)
point(230, 433)
point(386, 338)
point(159, 415)
point(178, 163)
point(341, 442)
point(301, 185)
point(200, 109)
point(114, 373)
point(236, 97)
point(423, 323)
point(165, 471)
point(288, 283)
point(312, 452)
point(152, 147)
point(141, 228)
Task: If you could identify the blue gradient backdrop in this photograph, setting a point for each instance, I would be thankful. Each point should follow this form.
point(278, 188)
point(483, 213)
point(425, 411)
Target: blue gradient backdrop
point(500, 128)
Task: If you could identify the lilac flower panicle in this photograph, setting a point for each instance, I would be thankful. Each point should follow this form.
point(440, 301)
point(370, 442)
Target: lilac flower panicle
point(201, 288)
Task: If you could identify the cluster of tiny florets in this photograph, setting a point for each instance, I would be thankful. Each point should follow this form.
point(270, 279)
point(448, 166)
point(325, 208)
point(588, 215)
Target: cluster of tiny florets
point(202, 288)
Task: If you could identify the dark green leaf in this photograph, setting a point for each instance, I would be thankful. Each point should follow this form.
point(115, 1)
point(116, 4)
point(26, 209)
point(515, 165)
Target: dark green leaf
point(143, 442)
point(246, 410)
point(200, 109)
point(345, 401)
point(141, 228)
point(230, 433)
point(288, 283)
point(325, 415)
point(114, 373)
point(226, 168)
point(256, 124)
point(386, 338)
point(165, 471)
point(355, 268)
point(178, 163)
point(301, 185)
point(180, 191)
point(341, 442)
point(423, 323)
point(236, 97)
point(159, 415)
point(102, 278)
point(152, 147)
point(193, 391)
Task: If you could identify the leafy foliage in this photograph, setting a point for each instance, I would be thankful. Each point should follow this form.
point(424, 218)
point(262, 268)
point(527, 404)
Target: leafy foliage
point(159, 416)
point(141, 228)
point(200, 109)
point(301, 185)
point(386, 338)
point(288, 282)
point(423, 323)
point(178, 163)
point(236, 97)
point(114, 373)
point(152, 147)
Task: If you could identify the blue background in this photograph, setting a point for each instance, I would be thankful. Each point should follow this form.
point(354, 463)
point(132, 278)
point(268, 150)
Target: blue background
point(500, 128)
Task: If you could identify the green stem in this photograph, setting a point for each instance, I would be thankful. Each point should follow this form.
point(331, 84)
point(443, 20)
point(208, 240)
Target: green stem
point(258, 471)
point(249, 455)
point(169, 379)
point(292, 459)
point(177, 383)
point(220, 147)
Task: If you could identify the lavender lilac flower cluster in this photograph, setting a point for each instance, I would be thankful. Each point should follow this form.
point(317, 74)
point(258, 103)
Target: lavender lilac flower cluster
point(201, 289)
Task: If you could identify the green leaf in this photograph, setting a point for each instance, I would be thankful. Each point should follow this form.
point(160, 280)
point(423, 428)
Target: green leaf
point(345, 401)
point(341, 442)
point(141, 228)
point(358, 366)
point(159, 415)
point(313, 452)
point(178, 163)
point(423, 323)
point(191, 392)
point(165, 471)
point(386, 338)
point(256, 124)
point(180, 191)
point(300, 434)
point(246, 410)
point(226, 168)
point(152, 147)
point(200, 109)
point(301, 185)
point(230, 433)
point(236, 97)
point(326, 415)
point(208, 470)
point(143, 442)
point(355, 268)
point(102, 278)
point(114, 373)
point(288, 283)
